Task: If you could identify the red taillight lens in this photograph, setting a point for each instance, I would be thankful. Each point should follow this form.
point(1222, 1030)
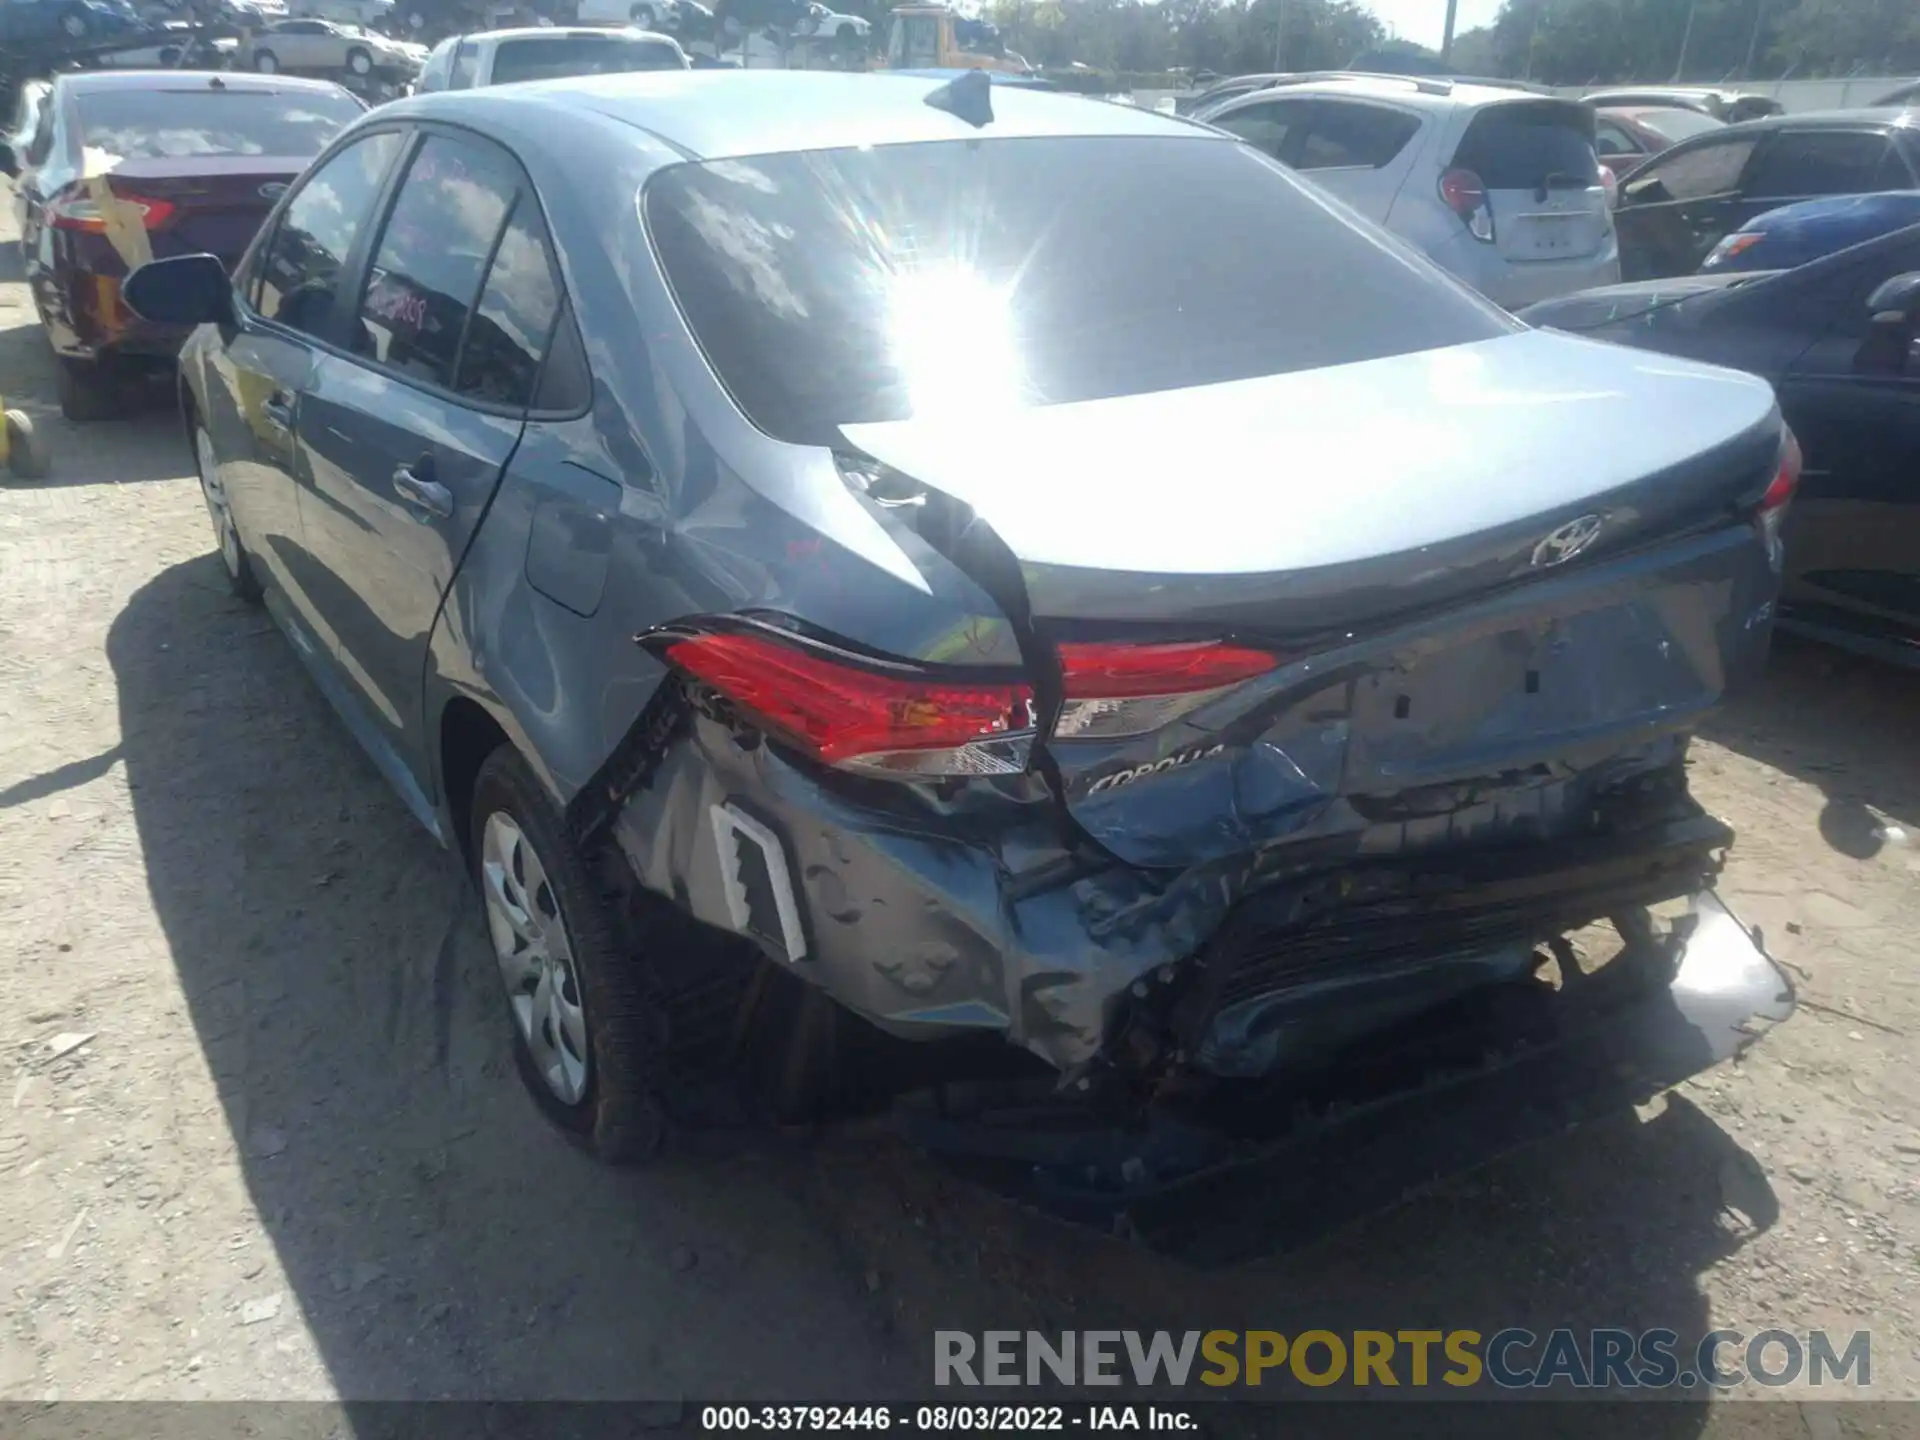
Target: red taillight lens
point(1466, 196)
point(1112, 690)
point(1771, 512)
point(1786, 480)
point(839, 711)
point(78, 211)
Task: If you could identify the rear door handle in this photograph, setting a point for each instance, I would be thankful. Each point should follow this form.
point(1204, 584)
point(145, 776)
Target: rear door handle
point(427, 498)
point(279, 410)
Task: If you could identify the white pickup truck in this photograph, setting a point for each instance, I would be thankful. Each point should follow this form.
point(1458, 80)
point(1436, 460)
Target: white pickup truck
point(546, 52)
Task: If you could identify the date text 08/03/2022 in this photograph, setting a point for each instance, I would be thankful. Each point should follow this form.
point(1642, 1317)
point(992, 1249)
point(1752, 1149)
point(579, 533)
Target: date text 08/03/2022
point(940, 1418)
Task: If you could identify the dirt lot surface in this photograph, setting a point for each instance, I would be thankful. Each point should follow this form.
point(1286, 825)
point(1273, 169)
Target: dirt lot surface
point(260, 1134)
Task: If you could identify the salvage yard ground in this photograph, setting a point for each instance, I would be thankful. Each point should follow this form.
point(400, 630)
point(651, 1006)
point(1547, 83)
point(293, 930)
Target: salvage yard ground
point(260, 1135)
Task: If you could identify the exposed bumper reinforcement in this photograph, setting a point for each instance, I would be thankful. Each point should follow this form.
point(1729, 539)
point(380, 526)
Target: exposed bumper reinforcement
point(1201, 1197)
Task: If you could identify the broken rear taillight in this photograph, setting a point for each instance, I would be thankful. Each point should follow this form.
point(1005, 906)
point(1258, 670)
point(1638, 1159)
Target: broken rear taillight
point(1114, 690)
point(859, 712)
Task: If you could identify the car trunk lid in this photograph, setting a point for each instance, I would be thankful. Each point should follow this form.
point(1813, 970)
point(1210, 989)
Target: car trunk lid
point(216, 202)
point(1462, 566)
point(1535, 162)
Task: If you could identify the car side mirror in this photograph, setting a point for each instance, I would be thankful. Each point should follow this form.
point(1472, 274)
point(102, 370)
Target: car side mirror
point(181, 290)
point(1894, 315)
point(1650, 191)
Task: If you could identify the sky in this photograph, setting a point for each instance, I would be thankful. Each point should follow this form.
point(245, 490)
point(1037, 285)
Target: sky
point(1421, 21)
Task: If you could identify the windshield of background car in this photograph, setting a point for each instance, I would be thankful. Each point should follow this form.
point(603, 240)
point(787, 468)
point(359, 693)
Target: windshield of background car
point(551, 59)
point(841, 287)
point(175, 124)
point(1676, 125)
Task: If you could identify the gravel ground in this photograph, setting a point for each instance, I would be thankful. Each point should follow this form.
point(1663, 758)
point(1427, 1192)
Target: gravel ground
point(261, 1136)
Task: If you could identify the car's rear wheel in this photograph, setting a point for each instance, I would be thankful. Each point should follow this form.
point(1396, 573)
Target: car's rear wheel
point(359, 62)
point(240, 576)
point(86, 388)
point(642, 15)
point(266, 62)
point(589, 1041)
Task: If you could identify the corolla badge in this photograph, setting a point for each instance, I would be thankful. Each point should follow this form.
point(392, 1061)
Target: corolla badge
point(273, 189)
point(1571, 539)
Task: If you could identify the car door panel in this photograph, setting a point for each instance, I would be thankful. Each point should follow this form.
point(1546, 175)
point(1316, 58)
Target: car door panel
point(1676, 208)
point(399, 467)
point(1853, 535)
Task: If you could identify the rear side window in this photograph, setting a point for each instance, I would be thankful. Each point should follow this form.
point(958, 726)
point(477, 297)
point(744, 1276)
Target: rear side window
point(581, 55)
point(1817, 162)
point(836, 287)
point(180, 124)
point(300, 266)
point(1267, 126)
point(1348, 136)
point(426, 272)
point(1518, 145)
point(511, 323)
point(1711, 169)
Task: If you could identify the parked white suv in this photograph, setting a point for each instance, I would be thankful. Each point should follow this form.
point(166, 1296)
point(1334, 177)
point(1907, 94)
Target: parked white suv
point(546, 52)
point(1498, 185)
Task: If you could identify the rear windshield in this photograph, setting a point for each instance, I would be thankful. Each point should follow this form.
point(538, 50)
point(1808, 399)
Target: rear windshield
point(848, 286)
point(175, 124)
point(580, 55)
point(1520, 144)
point(1677, 125)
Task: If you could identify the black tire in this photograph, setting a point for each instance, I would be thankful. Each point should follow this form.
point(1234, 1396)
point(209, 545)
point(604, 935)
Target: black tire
point(620, 1116)
point(87, 391)
point(359, 62)
point(242, 582)
point(642, 15)
point(266, 62)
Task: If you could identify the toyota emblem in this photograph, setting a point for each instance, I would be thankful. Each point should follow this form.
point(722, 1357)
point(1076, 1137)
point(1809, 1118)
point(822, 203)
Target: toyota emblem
point(1575, 537)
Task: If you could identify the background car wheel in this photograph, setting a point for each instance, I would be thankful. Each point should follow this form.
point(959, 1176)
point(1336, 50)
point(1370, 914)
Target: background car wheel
point(359, 62)
point(86, 390)
point(642, 15)
point(266, 62)
point(240, 576)
point(589, 1041)
point(74, 23)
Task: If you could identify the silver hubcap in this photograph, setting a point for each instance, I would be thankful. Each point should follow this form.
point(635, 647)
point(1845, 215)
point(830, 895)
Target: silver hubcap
point(267, 63)
point(360, 64)
point(536, 957)
point(216, 498)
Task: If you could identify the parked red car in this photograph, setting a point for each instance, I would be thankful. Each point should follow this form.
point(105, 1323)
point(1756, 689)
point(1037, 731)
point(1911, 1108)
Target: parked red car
point(1627, 136)
point(126, 166)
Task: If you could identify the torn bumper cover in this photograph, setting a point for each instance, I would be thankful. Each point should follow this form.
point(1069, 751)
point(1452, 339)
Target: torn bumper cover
point(1490, 1080)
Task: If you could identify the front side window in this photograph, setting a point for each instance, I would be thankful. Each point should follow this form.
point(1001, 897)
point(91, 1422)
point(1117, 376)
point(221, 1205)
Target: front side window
point(839, 287)
point(1710, 169)
point(301, 265)
point(1344, 136)
point(426, 270)
point(1803, 163)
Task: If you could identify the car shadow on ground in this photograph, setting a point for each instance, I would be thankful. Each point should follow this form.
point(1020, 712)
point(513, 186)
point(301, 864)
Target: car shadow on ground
point(1831, 719)
point(441, 1241)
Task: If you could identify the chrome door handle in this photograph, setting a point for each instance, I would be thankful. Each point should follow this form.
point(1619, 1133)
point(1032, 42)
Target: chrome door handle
point(427, 496)
point(278, 410)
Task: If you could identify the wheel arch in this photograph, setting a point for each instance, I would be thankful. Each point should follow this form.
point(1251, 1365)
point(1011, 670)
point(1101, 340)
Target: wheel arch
point(467, 734)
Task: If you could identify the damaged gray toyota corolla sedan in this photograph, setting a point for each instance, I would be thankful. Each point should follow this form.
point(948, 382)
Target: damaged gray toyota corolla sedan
point(1010, 605)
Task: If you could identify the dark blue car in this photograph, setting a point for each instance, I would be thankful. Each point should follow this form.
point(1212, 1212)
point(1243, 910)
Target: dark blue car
point(1795, 234)
point(891, 584)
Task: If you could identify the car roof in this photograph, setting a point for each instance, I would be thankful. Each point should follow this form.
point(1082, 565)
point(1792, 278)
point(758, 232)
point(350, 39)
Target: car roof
point(1436, 92)
point(92, 82)
point(568, 32)
point(1888, 117)
point(724, 114)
